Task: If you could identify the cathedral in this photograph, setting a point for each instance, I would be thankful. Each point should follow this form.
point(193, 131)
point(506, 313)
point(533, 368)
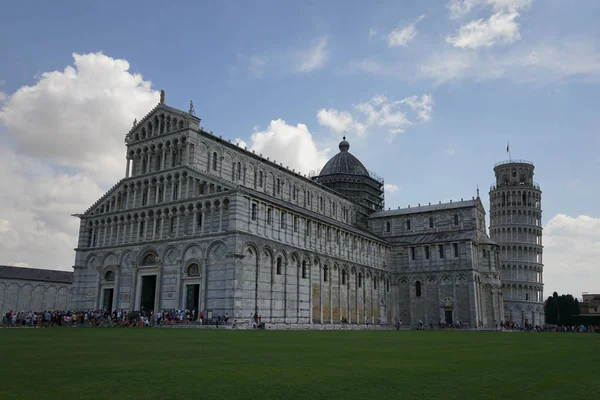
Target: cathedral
point(200, 223)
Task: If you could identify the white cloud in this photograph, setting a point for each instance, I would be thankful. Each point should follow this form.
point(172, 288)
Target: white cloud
point(391, 188)
point(539, 64)
point(290, 145)
point(450, 152)
point(571, 253)
point(368, 65)
point(372, 33)
point(315, 57)
point(461, 8)
point(78, 117)
point(423, 107)
point(339, 121)
point(68, 129)
point(402, 36)
point(378, 113)
point(241, 143)
point(281, 62)
point(499, 28)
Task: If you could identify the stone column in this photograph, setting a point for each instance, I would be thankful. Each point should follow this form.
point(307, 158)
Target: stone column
point(158, 287)
point(110, 236)
point(134, 196)
point(118, 232)
point(194, 221)
point(162, 226)
point(221, 216)
point(177, 224)
point(104, 226)
point(186, 214)
point(127, 167)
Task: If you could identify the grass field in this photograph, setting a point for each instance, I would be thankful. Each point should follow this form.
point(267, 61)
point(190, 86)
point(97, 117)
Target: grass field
point(191, 363)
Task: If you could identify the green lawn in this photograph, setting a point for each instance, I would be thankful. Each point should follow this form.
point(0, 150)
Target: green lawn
point(103, 363)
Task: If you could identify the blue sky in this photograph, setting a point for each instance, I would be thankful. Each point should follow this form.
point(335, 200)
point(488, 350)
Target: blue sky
point(481, 72)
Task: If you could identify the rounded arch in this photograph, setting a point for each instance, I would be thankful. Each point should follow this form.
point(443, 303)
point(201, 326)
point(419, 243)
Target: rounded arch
point(108, 275)
point(192, 250)
point(250, 246)
point(148, 256)
point(216, 250)
point(193, 268)
point(92, 260)
point(110, 259)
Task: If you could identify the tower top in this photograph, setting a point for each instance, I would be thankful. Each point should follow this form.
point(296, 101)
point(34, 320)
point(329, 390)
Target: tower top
point(162, 97)
point(344, 145)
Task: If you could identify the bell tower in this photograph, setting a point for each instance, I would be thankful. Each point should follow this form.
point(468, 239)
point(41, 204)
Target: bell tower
point(516, 225)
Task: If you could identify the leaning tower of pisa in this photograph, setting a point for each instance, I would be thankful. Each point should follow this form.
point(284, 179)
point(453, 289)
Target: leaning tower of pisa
point(516, 225)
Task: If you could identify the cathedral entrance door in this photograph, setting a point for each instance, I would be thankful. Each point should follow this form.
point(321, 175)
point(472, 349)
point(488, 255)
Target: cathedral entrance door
point(192, 297)
point(107, 299)
point(448, 315)
point(148, 292)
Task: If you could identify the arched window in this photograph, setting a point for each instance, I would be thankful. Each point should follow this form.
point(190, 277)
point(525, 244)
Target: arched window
point(344, 273)
point(388, 226)
point(193, 270)
point(387, 286)
point(109, 276)
point(260, 179)
point(214, 161)
point(278, 265)
point(325, 274)
point(375, 283)
point(304, 272)
point(360, 279)
point(149, 259)
point(418, 288)
point(239, 171)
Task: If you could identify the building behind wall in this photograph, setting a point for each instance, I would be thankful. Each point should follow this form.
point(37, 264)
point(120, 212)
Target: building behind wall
point(32, 289)
point(201, 223)
point(516, 225)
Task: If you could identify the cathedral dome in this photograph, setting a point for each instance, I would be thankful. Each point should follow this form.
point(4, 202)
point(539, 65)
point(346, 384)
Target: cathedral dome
point(344, 163)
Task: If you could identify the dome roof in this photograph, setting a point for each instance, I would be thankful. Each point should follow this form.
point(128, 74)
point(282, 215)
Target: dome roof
point(344, 163)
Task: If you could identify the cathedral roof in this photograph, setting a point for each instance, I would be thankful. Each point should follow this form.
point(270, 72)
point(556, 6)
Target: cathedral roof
point(442, 237)
point(344, 163)
point(35, 274)
point(427, 208)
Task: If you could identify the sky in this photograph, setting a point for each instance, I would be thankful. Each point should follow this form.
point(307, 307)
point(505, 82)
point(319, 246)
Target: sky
point(428, 93)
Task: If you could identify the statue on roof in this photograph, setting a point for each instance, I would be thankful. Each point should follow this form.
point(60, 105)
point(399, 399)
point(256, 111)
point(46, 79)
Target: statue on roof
point(134, 121)
point(192, 111)
point(162, 97)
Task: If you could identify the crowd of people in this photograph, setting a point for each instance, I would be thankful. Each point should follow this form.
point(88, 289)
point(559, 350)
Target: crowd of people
point(117, 318)
point(124, 318)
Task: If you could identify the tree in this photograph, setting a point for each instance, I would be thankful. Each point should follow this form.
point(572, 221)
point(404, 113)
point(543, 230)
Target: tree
point(551, 311)
point(560, 309)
